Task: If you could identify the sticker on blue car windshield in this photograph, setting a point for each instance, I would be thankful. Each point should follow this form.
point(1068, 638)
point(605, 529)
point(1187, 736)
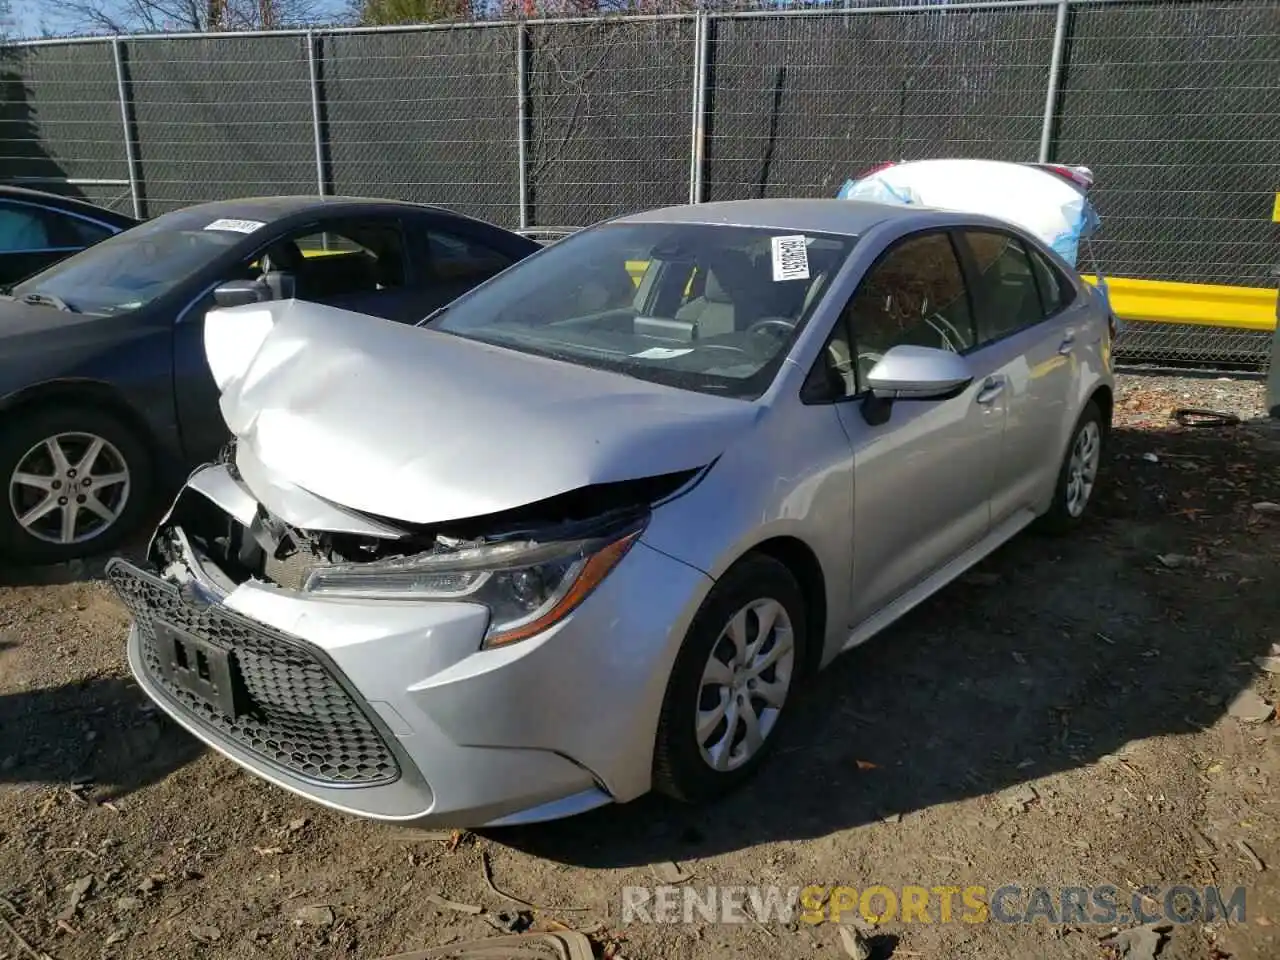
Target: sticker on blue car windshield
point(236, 226)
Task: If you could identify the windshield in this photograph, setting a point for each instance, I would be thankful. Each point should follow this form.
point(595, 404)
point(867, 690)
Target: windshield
point(128, 270)
point(703, 307)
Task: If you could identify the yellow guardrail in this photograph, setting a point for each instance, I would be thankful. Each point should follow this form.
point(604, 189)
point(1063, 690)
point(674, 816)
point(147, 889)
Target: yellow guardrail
point(1201, 304)
point(1162, 301)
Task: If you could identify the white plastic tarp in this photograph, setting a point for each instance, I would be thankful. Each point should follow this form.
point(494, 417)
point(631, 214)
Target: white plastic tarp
point(1041, 202)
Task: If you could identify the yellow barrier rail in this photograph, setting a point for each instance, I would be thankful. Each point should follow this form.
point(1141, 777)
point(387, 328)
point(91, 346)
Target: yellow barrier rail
point(1198, 304)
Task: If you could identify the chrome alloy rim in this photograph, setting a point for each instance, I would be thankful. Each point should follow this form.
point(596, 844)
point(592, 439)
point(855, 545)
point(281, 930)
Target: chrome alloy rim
point(69, 488)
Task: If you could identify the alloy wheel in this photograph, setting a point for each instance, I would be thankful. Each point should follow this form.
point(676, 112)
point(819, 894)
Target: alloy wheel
point(1082, 470)
point(69, 488)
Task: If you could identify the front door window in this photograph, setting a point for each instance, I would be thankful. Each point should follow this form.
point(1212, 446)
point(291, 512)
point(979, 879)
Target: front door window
point(914, 295)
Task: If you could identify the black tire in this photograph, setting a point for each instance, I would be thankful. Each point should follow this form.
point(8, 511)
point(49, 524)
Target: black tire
point(1060, 518)
point(23, 431)
point(679, 768)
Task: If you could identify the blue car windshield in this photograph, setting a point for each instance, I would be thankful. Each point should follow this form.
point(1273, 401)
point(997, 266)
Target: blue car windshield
point(129, 270)
point(706, 307)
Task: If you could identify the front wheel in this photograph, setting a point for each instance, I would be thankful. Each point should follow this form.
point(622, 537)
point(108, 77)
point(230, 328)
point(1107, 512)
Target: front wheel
point(731, 682)
point(76, 481)
point(1078, 475)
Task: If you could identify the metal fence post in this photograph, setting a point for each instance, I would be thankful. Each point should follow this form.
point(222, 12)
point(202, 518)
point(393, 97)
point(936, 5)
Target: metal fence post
point(698, 149)
point(1273, 372)
point(1055, 82)
point(522, 121)
point(313, 72)
point(126, 127)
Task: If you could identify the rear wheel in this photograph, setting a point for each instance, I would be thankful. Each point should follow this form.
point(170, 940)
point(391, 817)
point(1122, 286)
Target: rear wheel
point(77, 481)
point(1078, 475)
point(732, 681)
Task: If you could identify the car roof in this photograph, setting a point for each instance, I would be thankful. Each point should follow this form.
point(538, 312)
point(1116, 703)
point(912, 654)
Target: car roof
point(268, 209)
point(70, 204)
point(287, 212)
point(846, 217)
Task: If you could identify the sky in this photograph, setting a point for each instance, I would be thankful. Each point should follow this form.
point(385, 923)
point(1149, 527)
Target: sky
point(28, 21)
point(27, 18)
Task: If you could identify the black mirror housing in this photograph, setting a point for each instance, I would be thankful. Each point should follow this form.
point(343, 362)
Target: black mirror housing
point(238, 293)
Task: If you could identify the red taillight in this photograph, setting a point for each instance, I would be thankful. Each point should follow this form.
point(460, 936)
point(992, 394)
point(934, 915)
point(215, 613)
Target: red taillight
point(876, 169)
point(1082, 177)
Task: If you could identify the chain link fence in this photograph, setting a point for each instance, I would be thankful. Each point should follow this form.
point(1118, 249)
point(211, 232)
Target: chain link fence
point(545, 125)
point(609, 118)
point(61, 127)
point(215, 118)
point(428, 116)
point(800, 104)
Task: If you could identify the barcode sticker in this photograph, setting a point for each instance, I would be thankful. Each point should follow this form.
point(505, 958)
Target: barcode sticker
point(790, 258)
point(236, 226)
point(662, 353)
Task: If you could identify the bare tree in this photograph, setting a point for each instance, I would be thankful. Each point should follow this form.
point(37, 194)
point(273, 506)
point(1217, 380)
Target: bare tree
point(371, 12)
point(381, 12)
point(163, 16)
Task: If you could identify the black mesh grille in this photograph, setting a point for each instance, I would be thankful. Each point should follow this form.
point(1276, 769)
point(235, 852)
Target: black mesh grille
point(296, 715)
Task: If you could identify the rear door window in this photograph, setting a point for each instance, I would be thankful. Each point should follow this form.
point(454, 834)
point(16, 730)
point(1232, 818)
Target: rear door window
point(1006, 298)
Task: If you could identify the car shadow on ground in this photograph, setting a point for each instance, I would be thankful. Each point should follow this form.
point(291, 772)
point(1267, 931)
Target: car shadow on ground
point(1051, 655)
point(101, 731)
point(81, 570)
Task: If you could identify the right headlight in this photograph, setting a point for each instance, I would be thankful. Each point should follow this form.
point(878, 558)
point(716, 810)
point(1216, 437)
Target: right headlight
point(528, 586)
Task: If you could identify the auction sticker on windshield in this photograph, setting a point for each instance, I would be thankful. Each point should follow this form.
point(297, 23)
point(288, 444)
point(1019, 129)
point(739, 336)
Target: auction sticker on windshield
point(662, 353)
point(236, 226)
point(790, 258)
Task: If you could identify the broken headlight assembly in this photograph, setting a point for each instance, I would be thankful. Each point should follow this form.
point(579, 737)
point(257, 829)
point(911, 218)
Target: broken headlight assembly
point(527, 585)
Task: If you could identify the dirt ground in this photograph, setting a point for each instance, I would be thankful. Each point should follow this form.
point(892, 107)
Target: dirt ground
point(1061, 716)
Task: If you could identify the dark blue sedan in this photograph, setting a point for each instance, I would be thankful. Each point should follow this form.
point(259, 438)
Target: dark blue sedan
point(104, 390)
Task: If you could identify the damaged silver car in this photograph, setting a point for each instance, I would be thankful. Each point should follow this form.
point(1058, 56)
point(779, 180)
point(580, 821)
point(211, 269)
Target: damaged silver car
point(589, 530)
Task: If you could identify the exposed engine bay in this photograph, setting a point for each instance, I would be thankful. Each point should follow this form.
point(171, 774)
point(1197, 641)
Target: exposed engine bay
point(200, 539)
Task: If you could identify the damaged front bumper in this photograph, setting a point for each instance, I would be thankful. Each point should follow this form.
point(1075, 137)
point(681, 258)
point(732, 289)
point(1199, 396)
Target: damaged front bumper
point(394, 709)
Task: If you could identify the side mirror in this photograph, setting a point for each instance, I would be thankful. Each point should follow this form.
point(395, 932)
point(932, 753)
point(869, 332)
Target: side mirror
point(918, 373)
point(280, 284)
point(237, 293)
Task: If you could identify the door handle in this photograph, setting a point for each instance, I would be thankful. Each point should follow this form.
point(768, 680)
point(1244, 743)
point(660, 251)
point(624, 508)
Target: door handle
point(1068, 342)
point(991, 389)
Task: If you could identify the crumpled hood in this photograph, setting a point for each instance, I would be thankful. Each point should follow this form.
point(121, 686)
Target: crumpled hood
point(426, 427)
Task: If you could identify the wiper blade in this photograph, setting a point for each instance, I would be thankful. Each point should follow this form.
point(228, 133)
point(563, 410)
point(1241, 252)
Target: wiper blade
point(433, 315)
point(48, 300)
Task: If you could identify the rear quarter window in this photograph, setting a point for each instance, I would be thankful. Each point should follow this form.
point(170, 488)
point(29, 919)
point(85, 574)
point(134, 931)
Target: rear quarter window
point(1056, 291)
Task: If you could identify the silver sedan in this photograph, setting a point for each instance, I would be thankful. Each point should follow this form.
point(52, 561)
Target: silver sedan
point(591, 529)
